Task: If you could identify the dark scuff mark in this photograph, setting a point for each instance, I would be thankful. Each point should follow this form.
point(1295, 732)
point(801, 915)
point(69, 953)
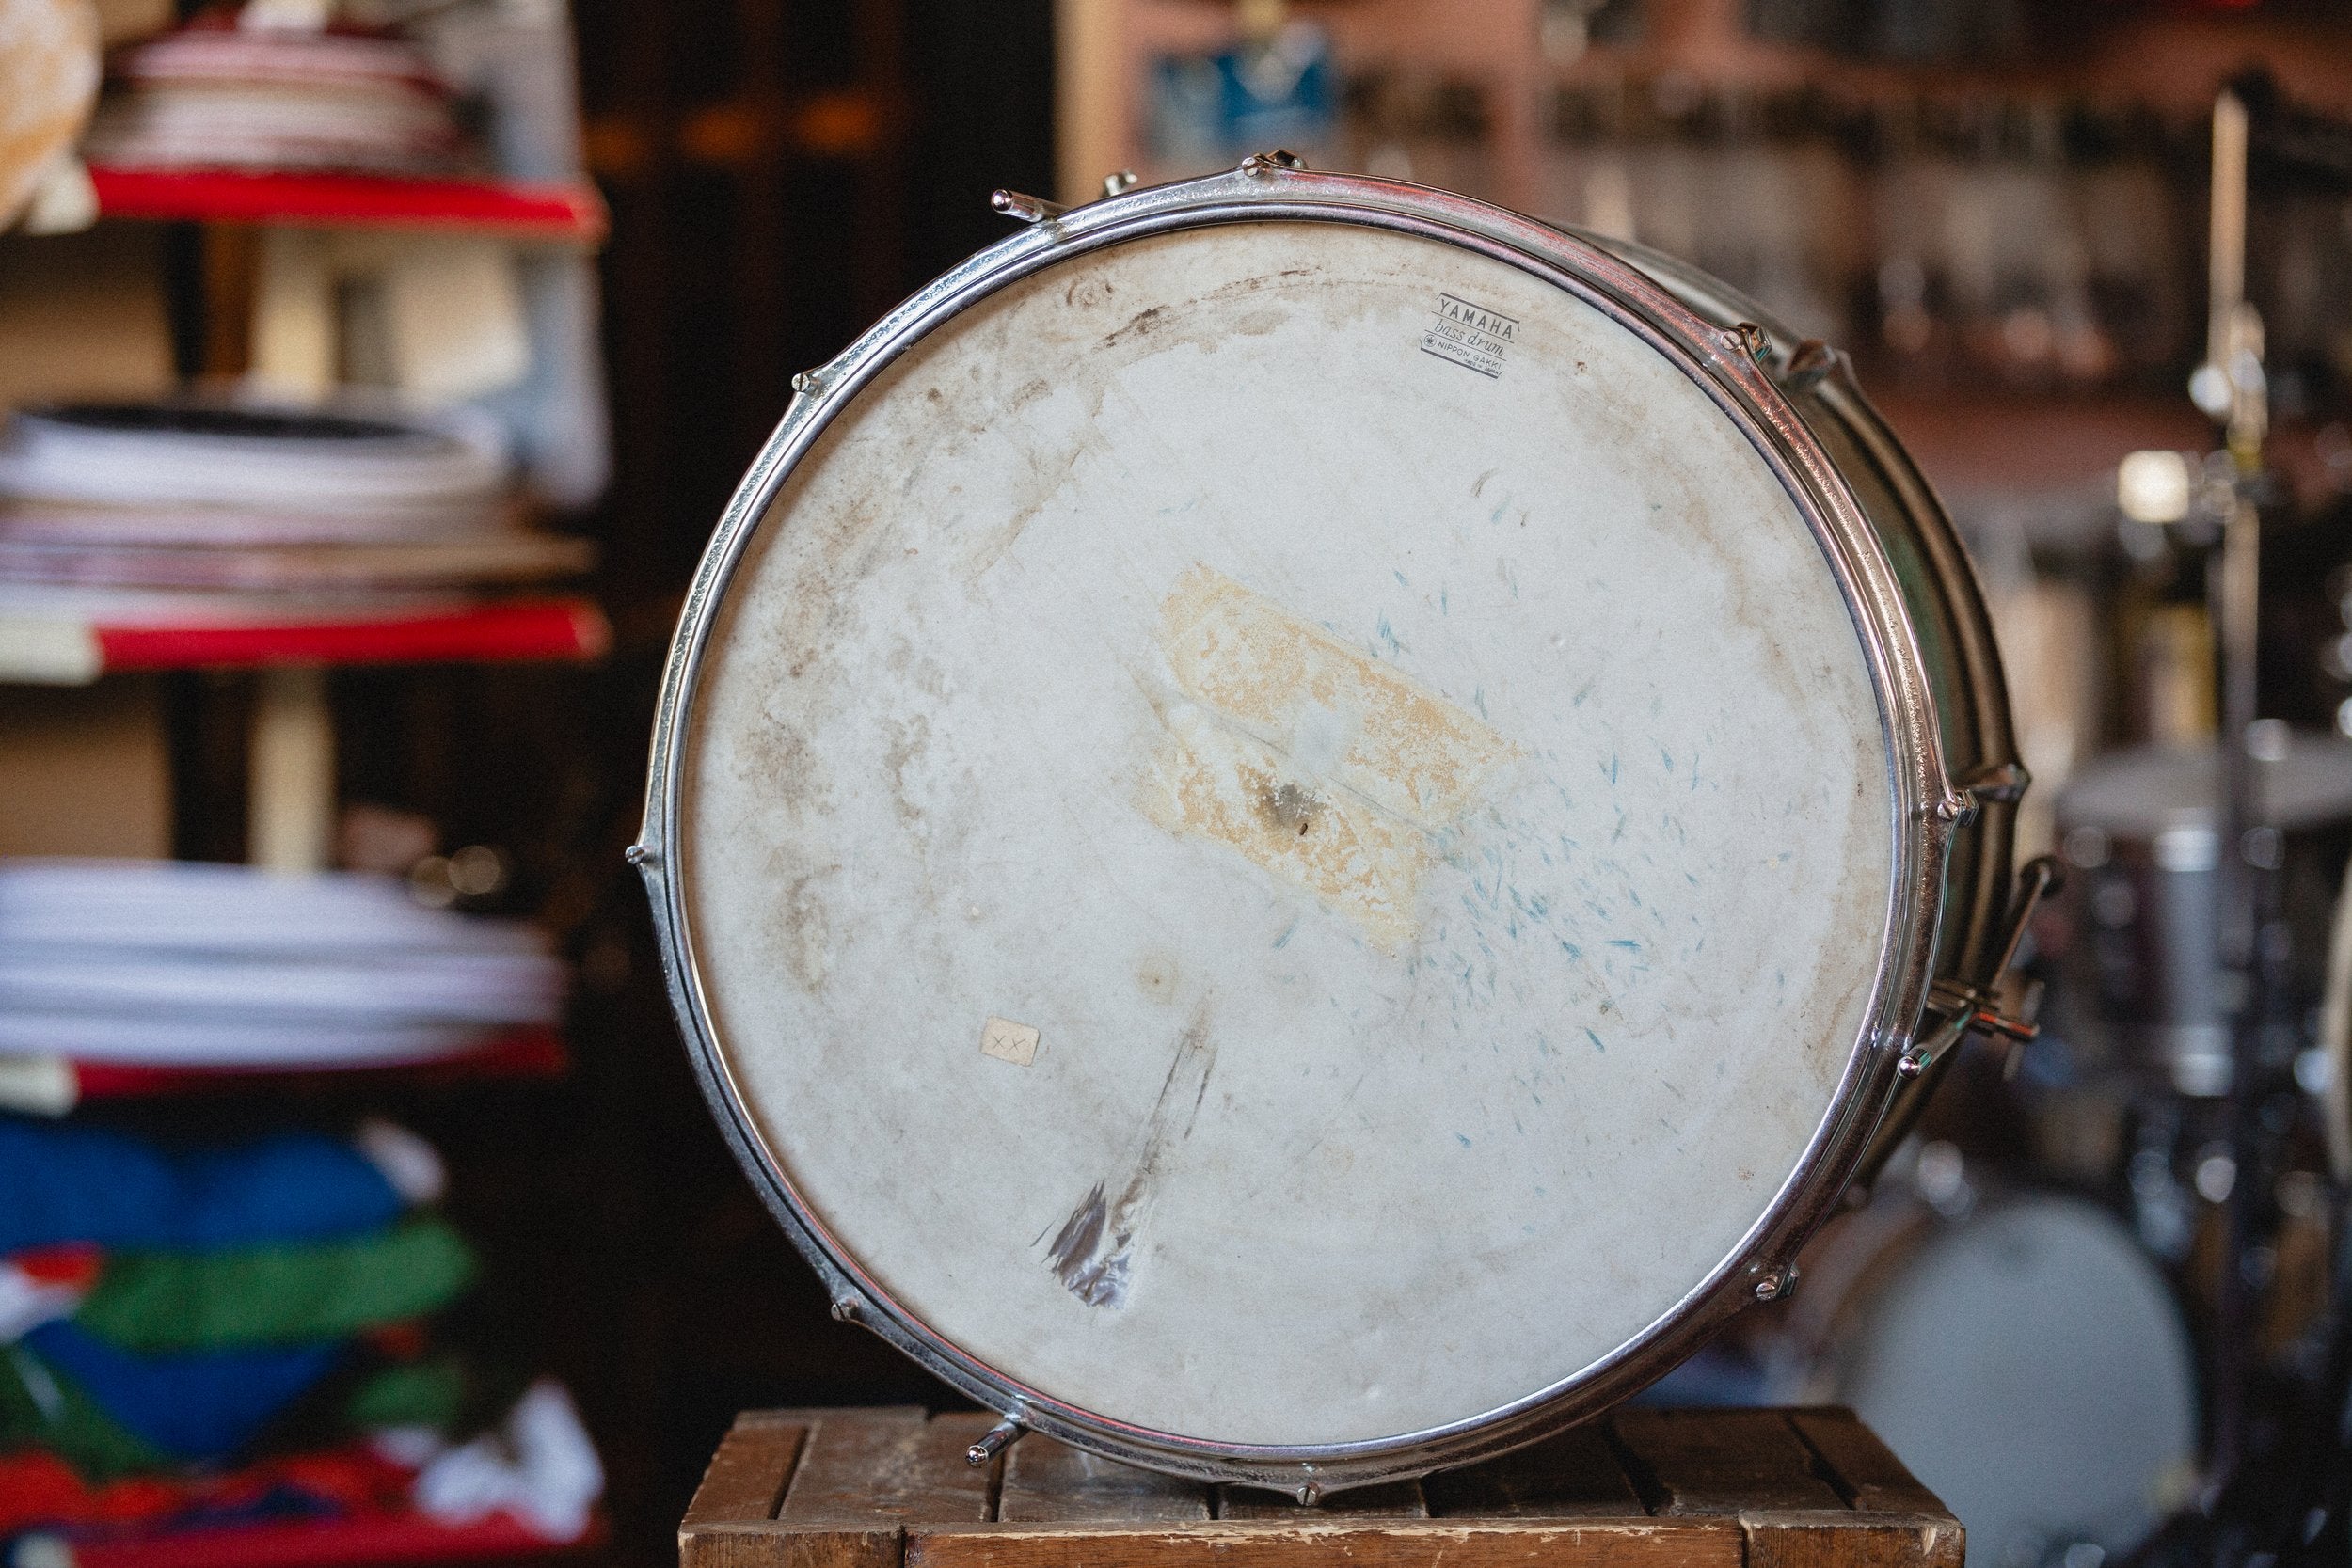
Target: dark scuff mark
point(1094, 1250)
point(1097, 1277)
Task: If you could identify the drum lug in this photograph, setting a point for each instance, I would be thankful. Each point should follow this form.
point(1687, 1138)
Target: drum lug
point(1777, 1284)
point(1028, 209)
point(2002, 785)
point(1261, 163)
point(996, 1439)
point(811, 383)
point(1809, 363)
point(1973, 1009)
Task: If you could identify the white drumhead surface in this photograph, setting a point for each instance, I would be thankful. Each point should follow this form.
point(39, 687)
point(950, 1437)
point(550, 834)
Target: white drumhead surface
point(2030, 1368)
point(1287, 833)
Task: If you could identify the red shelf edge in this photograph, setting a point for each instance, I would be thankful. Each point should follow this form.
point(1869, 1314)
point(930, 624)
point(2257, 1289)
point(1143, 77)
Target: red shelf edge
point(571, 212)
point(521, 1053)
point(521, 631)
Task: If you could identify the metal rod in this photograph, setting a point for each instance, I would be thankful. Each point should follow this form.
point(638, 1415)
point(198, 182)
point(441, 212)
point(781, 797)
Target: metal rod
point(2233, 587)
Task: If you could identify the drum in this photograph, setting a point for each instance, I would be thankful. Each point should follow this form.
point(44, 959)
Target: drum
point(2024, 1358)
point(2142, 830)
point(1302, 827)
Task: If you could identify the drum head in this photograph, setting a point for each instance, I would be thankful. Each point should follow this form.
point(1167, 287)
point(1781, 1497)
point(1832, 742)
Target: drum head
point(2030, 1367)
point(1285, 836)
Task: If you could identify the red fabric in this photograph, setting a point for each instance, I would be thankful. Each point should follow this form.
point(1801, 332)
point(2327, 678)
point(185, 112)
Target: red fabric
point(74, 1266)
point(38, 1490)
point(377, 1540)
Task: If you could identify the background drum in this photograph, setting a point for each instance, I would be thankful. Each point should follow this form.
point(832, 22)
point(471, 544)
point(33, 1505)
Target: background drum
point(2021, 1354)
point(1303, 826)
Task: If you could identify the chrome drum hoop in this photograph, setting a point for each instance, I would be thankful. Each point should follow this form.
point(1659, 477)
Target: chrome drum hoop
point(1729, 364)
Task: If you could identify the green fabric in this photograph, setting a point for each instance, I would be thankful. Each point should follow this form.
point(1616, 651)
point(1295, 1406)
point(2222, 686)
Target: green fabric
point(42, 1407)
point(160, 1302)
point(430, 1393)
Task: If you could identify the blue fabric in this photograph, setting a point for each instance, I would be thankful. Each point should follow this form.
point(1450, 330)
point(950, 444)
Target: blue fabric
point(200, 1406)
point(63, 1183)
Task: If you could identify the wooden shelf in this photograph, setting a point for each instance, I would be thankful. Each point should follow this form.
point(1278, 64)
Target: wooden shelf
point(532, 1052)
point(564, 213)
point(53, 1085)
point(61, 650)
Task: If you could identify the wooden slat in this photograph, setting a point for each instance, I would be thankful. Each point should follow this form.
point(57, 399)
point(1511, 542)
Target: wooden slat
point(1050, 1483)
point(1709, 1462)
point(1306, 1544)
point(771, 1544)
point(1400, 1500)
point(871, 1469)
point(729, 1525)
point(1571, 1476)
point(746, 1478)
point(1861, 1468)
point(1842, 1539)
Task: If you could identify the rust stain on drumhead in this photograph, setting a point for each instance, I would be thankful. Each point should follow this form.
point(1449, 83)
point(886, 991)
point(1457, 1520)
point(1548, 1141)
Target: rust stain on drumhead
point(1406, 750)
point(1324, 766)
point(1217, 784)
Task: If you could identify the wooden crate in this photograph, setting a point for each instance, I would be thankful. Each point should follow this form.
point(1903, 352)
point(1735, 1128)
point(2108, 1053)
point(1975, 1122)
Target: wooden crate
point(1644, 1489)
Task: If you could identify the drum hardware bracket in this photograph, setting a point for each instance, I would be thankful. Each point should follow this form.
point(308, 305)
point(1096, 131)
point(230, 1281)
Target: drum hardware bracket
point(1028, 209)
point(1973, 1009)
point(996, 1439)
point(849, 1309)
point(2002, 785)
point(641, 856)
point(1281, 159)
point(1752, 340)
point(811, 383)
point(1809, 363)
point(1777, 1284)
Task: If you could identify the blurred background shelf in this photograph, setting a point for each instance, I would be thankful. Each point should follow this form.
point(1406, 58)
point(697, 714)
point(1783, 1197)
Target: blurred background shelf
point(564, 212)
point(53, 1083)
point(65, 650)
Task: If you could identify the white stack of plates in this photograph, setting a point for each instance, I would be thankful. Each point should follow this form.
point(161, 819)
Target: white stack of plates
point(184, 965)
point(218, 97)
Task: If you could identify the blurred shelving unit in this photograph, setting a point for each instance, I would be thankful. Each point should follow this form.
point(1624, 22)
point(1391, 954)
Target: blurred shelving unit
point(1824, 182)
point(170, 671)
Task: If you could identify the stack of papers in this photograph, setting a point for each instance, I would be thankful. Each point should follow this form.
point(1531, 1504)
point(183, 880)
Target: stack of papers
point(198, 966)
point(275, 504)
point(214, 96)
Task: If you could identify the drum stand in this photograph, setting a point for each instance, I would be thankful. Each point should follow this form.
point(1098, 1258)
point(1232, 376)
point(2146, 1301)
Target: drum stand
point(2278, 1486)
